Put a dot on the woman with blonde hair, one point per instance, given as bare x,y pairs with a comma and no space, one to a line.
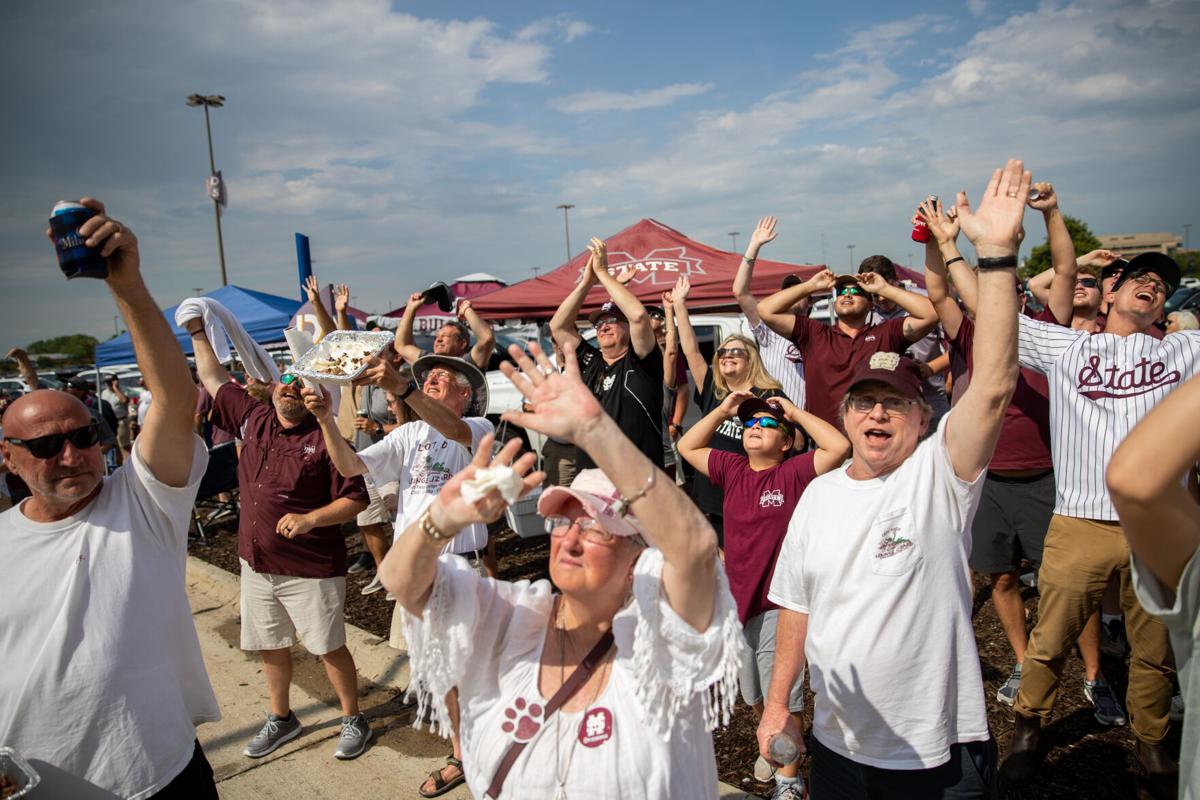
736,367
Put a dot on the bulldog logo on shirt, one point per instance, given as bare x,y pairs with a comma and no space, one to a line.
310,449
596,727
609,380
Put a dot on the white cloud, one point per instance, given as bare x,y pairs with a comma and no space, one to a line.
977,7
562,27
587,102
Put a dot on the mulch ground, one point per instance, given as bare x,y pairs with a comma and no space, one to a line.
1086,759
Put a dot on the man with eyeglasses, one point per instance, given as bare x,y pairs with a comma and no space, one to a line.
290,546
449,397
832,352
103,677
624,368
1100,386
872,578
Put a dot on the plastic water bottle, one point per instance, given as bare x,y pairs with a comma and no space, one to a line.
782,749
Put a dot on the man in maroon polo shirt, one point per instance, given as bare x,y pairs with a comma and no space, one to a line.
290,545
831,352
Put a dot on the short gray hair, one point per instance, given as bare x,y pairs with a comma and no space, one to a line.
1185,320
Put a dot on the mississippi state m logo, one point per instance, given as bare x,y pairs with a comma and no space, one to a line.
1096,380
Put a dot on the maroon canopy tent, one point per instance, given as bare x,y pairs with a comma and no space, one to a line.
660,255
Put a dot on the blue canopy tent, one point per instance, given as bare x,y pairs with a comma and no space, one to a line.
265,316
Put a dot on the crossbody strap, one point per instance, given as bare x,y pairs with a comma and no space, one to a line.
565,692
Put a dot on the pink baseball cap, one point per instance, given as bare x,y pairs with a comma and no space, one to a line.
596,493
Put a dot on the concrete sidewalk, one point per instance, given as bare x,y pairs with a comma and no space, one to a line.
395,764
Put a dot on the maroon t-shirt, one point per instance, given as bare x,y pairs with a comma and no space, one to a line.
1024,441
758,508
830,357
284,471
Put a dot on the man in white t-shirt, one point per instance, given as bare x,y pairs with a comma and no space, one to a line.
779,354
103,682
872,579
449,396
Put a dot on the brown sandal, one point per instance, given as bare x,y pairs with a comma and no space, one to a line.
440,784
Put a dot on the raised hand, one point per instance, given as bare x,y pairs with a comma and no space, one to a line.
463,307
341,297
599,259
416,300
1046,200
994,227
317,402
626,275
116,242
454,512
667,299
872,282
682,287
1098,258
729,405
823,281
558,403
381,373
943,224
18,354
312,289
764,232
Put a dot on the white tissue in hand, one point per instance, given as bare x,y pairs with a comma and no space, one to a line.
505,480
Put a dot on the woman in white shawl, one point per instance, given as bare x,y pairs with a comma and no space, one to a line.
644,603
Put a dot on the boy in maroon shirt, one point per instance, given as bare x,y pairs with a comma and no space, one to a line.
761,490
831,352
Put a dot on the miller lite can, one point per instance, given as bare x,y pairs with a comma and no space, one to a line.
920,231
75,259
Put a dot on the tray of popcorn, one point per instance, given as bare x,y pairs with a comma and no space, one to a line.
341,356
17,778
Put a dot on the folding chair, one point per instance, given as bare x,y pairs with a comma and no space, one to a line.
221,476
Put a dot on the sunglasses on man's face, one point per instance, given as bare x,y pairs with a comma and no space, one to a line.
287,378
849,290
1086,283
52,444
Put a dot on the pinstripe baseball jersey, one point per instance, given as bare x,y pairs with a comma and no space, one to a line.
1101,385
782,361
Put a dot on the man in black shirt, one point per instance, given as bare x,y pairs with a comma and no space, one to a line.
624,368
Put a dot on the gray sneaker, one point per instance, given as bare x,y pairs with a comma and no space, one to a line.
374,586
355,736
275,732
1100,695
1007,693
788,791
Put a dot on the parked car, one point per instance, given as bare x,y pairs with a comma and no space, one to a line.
1185,298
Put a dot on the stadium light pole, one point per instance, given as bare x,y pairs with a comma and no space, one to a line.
216,101
733,236
567,225
850,247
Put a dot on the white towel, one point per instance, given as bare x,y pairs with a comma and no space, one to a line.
221,327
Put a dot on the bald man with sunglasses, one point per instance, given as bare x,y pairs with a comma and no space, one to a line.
103,677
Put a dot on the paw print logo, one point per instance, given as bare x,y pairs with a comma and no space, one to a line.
522,721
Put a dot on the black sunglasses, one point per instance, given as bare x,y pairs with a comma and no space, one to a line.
52,444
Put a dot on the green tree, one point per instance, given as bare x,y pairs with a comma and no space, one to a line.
1085,242
78,346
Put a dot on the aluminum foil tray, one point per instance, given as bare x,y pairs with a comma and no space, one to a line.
354,343
16,768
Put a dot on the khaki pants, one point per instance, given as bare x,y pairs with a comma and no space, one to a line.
1079,557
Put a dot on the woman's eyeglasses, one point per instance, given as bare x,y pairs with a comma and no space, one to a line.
732,352
52,444
591,530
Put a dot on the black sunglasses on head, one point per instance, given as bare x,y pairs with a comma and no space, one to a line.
52,444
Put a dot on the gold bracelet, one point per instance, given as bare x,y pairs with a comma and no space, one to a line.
431,530
621,508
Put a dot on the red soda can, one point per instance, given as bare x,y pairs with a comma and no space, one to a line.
920,231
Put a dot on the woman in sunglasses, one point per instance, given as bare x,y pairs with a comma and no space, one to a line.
761,489
735,367
609,689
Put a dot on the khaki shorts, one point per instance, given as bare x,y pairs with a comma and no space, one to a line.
277,608
123,433
382,510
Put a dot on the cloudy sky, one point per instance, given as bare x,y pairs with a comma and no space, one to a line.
423,140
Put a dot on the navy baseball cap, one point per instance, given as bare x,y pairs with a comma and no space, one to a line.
1152,263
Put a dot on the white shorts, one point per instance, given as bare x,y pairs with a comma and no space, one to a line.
382,510
277,608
